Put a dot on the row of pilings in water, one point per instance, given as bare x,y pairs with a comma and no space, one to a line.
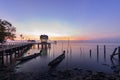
116,51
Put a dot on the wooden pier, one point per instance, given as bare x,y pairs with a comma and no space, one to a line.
16,50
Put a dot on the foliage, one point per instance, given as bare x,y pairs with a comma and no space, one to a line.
7,30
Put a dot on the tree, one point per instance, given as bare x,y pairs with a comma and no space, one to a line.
2,32
7,30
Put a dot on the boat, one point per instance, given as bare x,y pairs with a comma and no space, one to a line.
57,60
29,57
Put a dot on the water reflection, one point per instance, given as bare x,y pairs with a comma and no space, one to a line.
115,65
82,55
45,52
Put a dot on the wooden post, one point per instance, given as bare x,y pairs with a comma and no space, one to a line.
15,54
97,49
104,49
10,56
90,52
19,52
41,46
111,56
7,61
2,57
97,52
105,52
119,53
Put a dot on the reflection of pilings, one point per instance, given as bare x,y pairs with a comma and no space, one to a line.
43,46
33,47
104,52
97,52
13,52
2,58
80,50
10,58
38,46
53,51
90,52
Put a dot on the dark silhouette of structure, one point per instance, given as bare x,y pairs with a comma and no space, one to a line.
44,41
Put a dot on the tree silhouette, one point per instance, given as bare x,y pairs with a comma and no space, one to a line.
21,36
6,30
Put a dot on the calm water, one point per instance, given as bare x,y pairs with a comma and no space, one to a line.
77,56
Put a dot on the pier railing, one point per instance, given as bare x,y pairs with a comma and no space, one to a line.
13,50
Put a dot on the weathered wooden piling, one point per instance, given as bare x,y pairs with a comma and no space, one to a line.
104,52
38,46
97,49
119,54
97,52
10,57
111,56
2,57
90,52
104,49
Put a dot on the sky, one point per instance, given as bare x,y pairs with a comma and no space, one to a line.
76,19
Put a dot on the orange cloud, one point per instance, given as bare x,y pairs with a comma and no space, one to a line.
81,38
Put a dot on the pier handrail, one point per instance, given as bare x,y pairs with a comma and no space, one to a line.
11,45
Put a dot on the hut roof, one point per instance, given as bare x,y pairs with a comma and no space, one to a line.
43,37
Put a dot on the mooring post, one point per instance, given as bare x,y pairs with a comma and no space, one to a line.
15,54
10,53
2,55
97,49
7,56
97,52
10,58
105,52
42,46
104,49
19,52
119,53
90,52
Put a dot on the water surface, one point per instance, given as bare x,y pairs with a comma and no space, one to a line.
77,56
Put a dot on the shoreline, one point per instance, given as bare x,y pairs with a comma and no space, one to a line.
71,74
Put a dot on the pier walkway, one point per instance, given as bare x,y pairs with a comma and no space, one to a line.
13,50
17,49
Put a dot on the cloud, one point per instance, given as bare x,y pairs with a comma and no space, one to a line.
51,28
